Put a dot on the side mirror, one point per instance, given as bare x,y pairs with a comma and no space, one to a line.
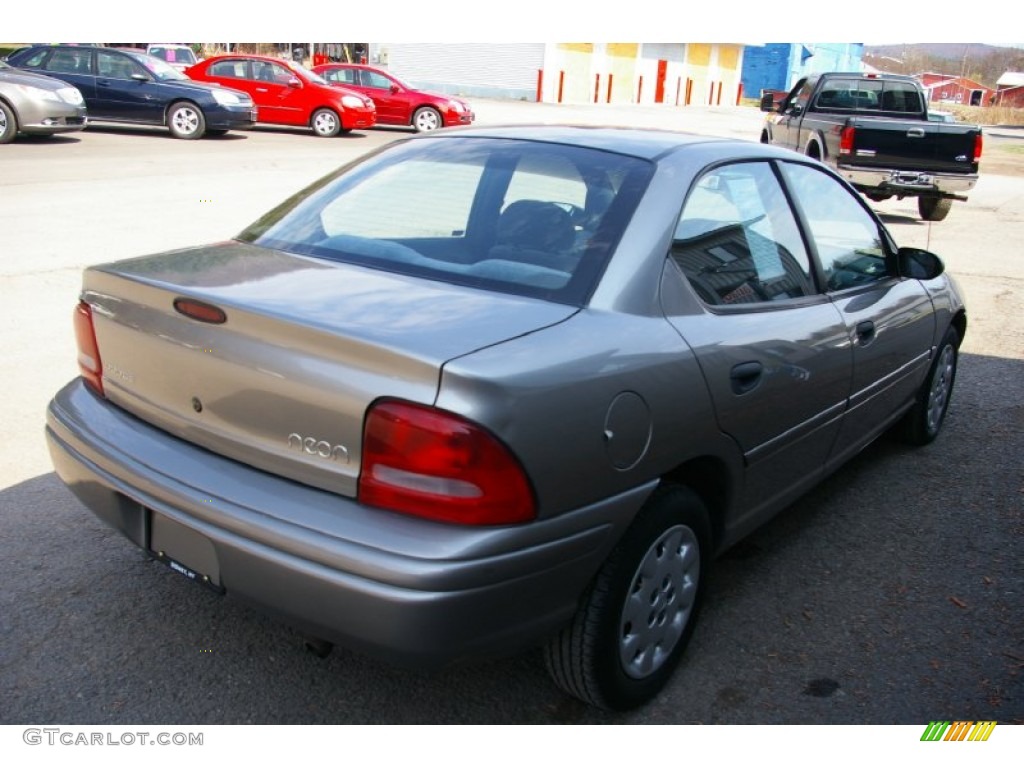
140,77
394,88
918,264
767,102
294,83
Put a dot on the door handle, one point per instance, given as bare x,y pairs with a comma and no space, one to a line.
865,332
745,377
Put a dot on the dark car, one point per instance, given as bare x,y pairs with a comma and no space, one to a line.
527,408
133,87
399,103
287,93
38,105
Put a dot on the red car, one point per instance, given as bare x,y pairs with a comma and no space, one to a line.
398,103
288,94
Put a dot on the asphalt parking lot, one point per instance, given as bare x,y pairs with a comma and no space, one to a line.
893,593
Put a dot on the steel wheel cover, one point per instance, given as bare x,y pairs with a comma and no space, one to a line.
3,122
324,122
942,384
659,602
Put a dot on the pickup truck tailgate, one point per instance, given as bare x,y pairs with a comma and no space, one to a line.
913,145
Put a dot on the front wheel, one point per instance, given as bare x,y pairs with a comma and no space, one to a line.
426,119
326,123
934,208
186,121
922,423
641,609
8,124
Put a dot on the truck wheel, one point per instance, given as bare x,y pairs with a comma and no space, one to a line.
934,208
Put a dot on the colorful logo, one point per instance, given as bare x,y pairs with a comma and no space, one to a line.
962,730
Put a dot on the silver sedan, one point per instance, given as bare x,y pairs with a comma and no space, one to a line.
36,104
492,388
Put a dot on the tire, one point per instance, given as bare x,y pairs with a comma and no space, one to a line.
325,123
923,422
185,121
639,612
426,119
934,208
8,124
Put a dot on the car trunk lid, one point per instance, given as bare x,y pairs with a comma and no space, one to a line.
305,346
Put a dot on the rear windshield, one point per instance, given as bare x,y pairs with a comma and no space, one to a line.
522,217
870,94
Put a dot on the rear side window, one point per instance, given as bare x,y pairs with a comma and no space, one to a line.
737,240
520,217
70,61
230,68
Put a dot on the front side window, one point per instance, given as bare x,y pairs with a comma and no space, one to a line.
737,240
375,80
846,236
515,216
343,76
114,65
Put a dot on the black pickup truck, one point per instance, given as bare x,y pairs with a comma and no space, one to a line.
874,130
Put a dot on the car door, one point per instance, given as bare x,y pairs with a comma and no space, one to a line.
773,349
125,91
278,92
394,105
236,73
72,65
889,320
786,128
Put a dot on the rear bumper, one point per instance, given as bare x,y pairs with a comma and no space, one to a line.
910,183
410,591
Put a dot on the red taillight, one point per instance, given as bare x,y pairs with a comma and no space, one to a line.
846,140
977,147
88,351
433,464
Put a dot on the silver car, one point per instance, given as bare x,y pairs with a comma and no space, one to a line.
36,104
491,388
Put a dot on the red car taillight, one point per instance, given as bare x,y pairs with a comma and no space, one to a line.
88,351
846,140
430,463
977,147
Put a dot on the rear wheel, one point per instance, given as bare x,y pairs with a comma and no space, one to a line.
186,121
8,124
641,609
326,123
426,119
934,208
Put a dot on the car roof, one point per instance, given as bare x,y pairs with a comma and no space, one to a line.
254,56
646,143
